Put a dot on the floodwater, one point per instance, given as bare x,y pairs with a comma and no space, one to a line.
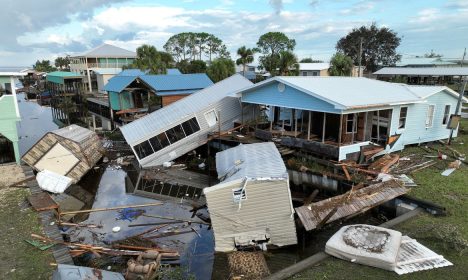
35,122
196,251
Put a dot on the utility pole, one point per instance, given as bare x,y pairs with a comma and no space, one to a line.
360,57
460,97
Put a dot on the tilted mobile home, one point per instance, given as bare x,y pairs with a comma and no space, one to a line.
252,204
346,117
182,126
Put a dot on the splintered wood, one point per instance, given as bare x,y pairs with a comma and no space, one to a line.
384,163
349,204
42,202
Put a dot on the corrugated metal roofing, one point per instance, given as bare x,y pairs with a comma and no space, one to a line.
132,72
424,71
74,132
423,61
353,92
176,92
118,83
173,71
142,128
106,50
64,74
315,66
413,256
177,82
259,160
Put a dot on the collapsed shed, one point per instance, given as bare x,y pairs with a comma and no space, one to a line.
252,204
182,126
70,151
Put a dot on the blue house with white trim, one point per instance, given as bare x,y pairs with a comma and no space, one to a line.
348,117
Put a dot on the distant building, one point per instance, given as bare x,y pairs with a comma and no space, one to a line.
104,56
250,72
9,117
252,203
314,69
422,75
425,62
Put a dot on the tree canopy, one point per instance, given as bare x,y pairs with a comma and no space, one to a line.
270,45
287,63
43,66
62,63
149,58
194,66
310,60
378,46
341,65
195,46
246,56
220,69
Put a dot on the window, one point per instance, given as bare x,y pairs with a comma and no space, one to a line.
315,73
430,115
175,134
163,140
350,127
211,118
304,73
446,118
155,144
402,121
191,126
143,149
239,194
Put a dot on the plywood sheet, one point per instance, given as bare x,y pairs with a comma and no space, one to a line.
58,159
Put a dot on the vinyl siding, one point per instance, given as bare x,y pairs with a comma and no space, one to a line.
415,131
120,101
289,98
266,209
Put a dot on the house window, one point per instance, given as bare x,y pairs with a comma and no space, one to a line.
446,115
191,126
402,120
211,118
315,73
143,149
175,134
304,73
350,127
239,194
430,116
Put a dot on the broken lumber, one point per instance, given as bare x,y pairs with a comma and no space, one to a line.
175,219
345,170
311,197
111,208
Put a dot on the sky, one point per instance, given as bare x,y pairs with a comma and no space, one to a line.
45,29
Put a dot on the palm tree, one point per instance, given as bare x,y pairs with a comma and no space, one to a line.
148,58
287,62
246,57
341,65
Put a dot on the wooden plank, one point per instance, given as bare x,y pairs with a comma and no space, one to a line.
42,202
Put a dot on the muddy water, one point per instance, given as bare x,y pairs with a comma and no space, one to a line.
35,121
196,252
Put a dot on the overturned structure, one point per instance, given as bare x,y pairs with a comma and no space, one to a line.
178,128
252,204
70,151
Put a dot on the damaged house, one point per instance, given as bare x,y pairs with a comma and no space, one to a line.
347,118
70,151
174,130
252,203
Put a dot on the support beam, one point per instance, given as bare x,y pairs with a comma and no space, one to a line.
353,128
272,112
340,130
309,125
365,126
323,126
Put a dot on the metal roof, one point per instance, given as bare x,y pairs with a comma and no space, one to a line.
177,82
353,92
64,74
423,71
118,83
175,112
176,92
74,132
106,71
173,71
106,50
314,66
253,161
132,72
423,61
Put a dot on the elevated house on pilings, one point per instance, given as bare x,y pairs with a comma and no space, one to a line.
9,117
350,118
67,96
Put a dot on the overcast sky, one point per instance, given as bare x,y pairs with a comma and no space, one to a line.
45,29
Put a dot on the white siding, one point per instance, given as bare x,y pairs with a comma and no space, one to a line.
266,209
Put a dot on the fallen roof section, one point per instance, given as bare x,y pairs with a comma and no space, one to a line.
351,203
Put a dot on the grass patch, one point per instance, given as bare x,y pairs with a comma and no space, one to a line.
20,260
446,235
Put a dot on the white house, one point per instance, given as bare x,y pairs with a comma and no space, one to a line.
252,204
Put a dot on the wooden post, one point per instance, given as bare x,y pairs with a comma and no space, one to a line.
242,112
273,108
295,122
378,125
353,127
323,126
308,126
365,126
340,130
